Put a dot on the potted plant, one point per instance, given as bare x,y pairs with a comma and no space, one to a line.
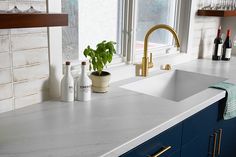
98,59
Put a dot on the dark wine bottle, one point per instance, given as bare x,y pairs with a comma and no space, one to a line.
218,43
227,47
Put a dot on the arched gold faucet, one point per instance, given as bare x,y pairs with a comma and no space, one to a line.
145,61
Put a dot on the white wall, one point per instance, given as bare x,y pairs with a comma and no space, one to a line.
55,51
230,22
24,66
207,25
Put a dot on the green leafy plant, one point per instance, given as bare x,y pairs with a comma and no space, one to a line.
100,56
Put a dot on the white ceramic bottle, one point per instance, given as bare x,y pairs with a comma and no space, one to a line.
84,85
67,85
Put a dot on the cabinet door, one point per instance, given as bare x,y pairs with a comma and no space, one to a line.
227,145
203,145
168,142
199,137
200,124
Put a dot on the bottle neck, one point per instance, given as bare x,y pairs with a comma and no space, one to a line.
83,70
68,72
228,33
218,33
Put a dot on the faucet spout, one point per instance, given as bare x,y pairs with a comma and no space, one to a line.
145,60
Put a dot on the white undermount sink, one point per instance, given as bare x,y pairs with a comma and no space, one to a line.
174,85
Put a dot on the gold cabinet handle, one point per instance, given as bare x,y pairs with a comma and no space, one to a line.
219,141
162,151
214,147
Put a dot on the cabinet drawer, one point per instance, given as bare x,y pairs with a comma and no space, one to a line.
201,123
171,137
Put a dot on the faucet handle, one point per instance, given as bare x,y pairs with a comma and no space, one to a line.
150,63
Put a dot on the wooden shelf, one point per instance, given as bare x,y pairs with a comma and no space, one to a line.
32,20
216,13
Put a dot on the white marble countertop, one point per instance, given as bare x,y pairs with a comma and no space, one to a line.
109,125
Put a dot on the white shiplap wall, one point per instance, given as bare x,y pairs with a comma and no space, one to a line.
24,65
203,27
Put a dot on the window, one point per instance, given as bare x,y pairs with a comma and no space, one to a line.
96,20
99,20
150,13
70,33
90,22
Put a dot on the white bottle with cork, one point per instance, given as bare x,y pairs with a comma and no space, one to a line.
67,85
84,85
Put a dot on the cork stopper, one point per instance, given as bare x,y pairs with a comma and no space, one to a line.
83,63
67,63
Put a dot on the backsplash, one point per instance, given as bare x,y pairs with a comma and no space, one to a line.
24,64
204,27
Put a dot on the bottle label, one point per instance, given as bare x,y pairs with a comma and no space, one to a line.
71,89
219,49
85,88
228,52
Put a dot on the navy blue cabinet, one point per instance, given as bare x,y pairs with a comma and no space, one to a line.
199,138
227,136
204,134
201,146
207,134
166,144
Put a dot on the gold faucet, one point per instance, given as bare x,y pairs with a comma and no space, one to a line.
146,64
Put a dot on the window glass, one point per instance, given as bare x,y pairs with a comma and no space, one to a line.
98,21
149,14
70,33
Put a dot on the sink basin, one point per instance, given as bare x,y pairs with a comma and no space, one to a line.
174,85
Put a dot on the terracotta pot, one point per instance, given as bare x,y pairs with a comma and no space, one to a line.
100,83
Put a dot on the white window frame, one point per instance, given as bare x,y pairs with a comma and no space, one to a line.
184,16
127,25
